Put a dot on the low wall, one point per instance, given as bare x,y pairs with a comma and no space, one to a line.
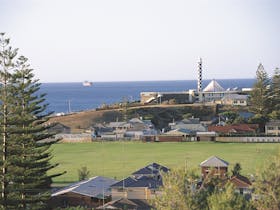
249,139
74,137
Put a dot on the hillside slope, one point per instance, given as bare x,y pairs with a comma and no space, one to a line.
160,115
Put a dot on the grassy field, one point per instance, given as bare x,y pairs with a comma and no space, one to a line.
119,159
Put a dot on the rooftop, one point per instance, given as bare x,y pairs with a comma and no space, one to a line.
214,162
142,181
213,86
153,168
93,187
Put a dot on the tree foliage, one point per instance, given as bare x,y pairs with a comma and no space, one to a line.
236,169
267,185
83,173
183,190
260,94
230,116
25,158
274,95
178,191
227,199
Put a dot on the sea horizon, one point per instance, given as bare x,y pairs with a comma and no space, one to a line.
124,81
74,97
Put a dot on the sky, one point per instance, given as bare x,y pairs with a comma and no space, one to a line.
143,40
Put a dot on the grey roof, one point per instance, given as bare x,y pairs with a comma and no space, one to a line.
142,181
214,162
235,97
93,187
153,168
148,176
118,124
180,130
192,127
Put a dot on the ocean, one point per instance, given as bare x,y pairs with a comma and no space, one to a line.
74,97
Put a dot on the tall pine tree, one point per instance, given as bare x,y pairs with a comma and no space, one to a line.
260,94
7,57
27,184
275,95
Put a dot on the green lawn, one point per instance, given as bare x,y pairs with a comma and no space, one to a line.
119,159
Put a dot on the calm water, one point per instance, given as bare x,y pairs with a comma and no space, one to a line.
60,95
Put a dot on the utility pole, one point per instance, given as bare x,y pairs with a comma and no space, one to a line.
69,106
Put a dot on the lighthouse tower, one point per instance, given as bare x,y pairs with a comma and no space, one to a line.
199,79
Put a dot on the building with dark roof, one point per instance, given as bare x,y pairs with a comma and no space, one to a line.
142,184
87,193
242,184
151,170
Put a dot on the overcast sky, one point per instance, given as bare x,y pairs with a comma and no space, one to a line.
129,40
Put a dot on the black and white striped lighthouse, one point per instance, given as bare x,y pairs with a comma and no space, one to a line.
199,79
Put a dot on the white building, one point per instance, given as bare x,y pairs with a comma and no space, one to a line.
214,93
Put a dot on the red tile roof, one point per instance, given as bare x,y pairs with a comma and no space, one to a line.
238,128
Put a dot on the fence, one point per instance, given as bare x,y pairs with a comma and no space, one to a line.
249,139
85,137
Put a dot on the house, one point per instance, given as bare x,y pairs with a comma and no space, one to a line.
133,129
214,166
235,99
235,129
87,193
214,92
180,132
163,97
151,170
100,130
206,136
142,184
191,124
119,127
272,127
176,135
143,187
139,128
242,184
58,128
129,204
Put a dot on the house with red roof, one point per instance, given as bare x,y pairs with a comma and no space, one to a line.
242,184
234,129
